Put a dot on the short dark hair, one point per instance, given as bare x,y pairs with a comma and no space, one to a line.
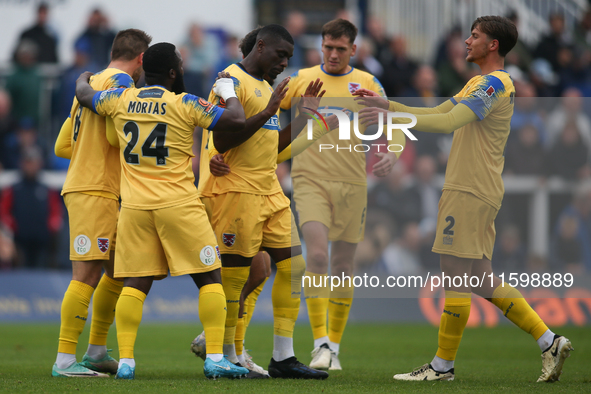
249,41
129,44
159,59
498,28
338,28
273,32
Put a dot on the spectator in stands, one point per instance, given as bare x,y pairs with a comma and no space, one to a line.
7,125
377,33
201,54
454,72
427,193
296,24
32,212
24,83
24,137
568,250
82,62
364,59
550,45
580,210
389,195
231,53
99,37
520,55
402,257
509,252
41,35
424,85
543,78
569,109
398,68
525,155
424,93
441,55
583,31
569,156
527,112
380,230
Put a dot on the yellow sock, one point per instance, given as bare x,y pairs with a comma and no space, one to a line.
103,309
129,315
515,308
212,313
233,280
316,295
338,312
73,315
250,303
286,295
239,338
453,321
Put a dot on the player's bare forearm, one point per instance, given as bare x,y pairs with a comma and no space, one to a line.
286,136
84,92
224,140
233,119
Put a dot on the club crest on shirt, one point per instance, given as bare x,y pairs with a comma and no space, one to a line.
258,92
353,86
228,239
217,249
103,244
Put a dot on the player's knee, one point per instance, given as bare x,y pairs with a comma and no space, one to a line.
318,258
88,272
298,266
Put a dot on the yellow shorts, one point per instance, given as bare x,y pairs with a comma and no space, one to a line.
179,239
465,226
243,222
93,226
339,206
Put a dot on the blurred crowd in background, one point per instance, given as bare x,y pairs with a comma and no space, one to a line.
550,138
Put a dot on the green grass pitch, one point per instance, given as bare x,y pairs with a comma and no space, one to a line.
501,359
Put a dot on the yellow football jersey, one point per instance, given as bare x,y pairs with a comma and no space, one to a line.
343,166
94,165
476,159
252,163
155,131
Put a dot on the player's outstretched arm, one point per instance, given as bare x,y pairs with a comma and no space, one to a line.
224,140
370,98
445,123
84,92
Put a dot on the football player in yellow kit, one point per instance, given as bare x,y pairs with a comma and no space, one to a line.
260,268
91,194
248,207
330,191
480,114
163,225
